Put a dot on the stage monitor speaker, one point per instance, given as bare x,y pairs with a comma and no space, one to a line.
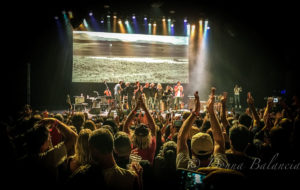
95,111
191,105
79,99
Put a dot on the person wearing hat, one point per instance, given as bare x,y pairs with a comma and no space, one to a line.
202,146
144,135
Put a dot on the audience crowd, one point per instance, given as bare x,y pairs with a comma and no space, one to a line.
145,149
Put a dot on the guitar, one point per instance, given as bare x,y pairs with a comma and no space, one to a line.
107,92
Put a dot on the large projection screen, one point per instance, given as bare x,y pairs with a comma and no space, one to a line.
101,56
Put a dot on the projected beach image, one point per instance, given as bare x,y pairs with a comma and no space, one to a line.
99,56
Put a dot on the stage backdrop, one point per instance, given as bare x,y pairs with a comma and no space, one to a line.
101,56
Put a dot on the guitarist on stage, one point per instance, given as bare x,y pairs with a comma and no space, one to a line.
107,93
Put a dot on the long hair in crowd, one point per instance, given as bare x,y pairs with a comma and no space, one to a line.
82,153
141,142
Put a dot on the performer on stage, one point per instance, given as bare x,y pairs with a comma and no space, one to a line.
117,92
237,91
167,97
146,91
178,89
158,96
138,91
107,94
152,90
128,92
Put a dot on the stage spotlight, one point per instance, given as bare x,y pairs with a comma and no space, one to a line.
85,24
102,21
149,28
135,24
56,17
145,18
115,16
154,29
188,29
172,29
108,16
169,20
70,13
91,14
164,27
185,20
126,22
122,29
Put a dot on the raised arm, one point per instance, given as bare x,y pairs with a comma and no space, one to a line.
219,141
224,120
130,118
183,133
148,116
69,135
250,102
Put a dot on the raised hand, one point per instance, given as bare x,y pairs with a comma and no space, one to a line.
141,102
250,99
224,98
197,103
211,100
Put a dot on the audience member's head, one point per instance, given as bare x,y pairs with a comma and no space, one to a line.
82,152
78,121
239,137
141,137
225,179
202,145
280,139
113,124
100,143
89,124
122,144
59,117
246,120
39,138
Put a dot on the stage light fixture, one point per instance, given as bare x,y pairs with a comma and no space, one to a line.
169,20
56,17
91,14
172,25
115,16
102,21
108,16
133,17
70,13
145,18
163,20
